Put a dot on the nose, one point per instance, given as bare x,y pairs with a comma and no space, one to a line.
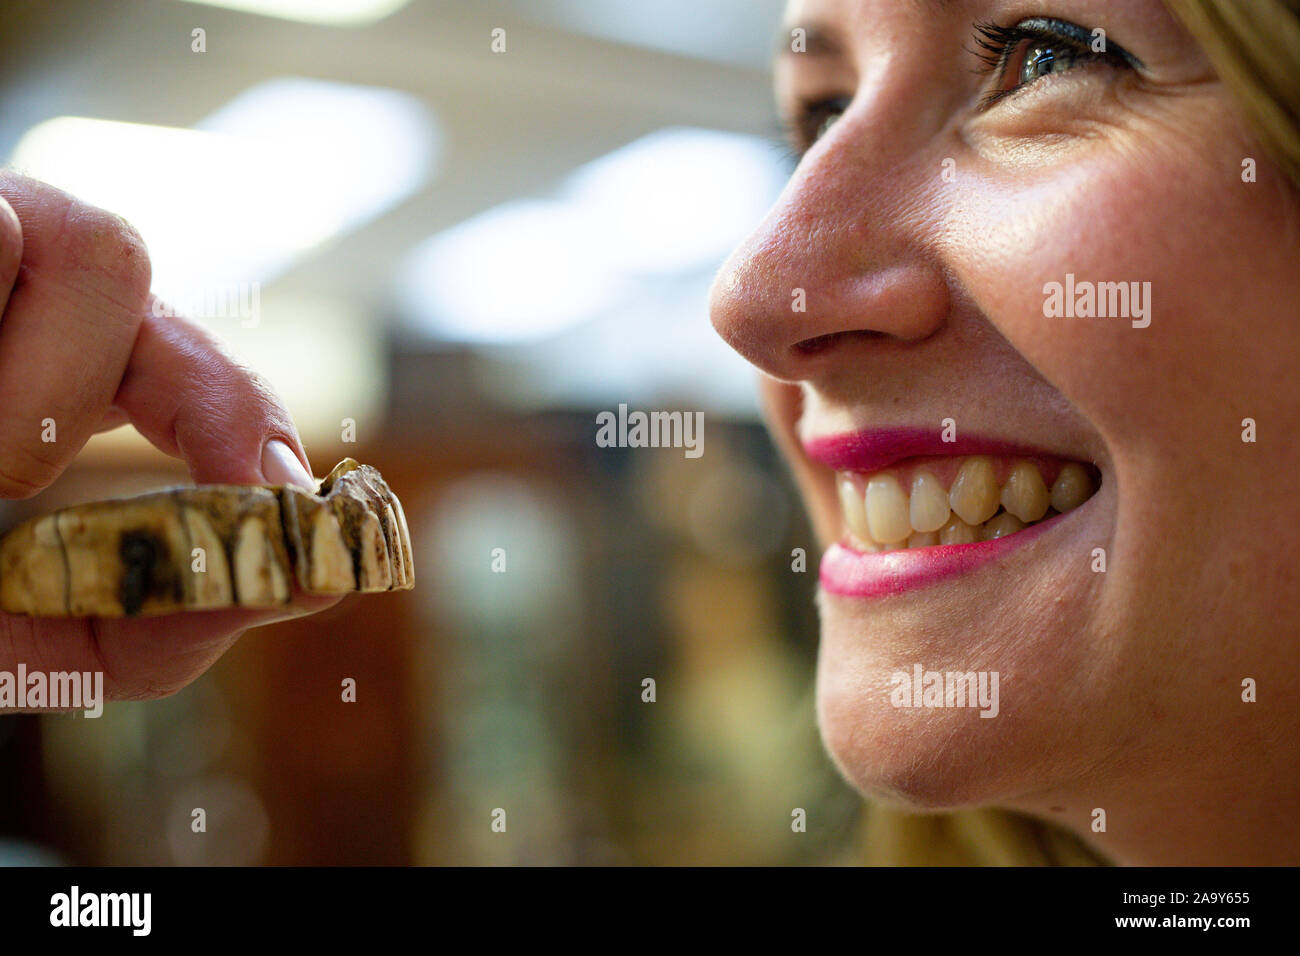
842,255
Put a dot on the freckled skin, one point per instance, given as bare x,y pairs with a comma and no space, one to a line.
1119,690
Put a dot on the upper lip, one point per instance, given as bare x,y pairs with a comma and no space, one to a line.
876,449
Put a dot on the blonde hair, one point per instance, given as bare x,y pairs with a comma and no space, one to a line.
1255,48
983,837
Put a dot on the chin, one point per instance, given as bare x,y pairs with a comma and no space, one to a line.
896,740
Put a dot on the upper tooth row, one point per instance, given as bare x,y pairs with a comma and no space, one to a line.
887,513
138,555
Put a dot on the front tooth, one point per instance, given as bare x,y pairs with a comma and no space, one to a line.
396,558
125,558
375,572
855,509
259,579
404,536
929,503
1001,526
1073,486
1024,495
210,587
957,531
887,512
34,570
330,565
923,539
974,494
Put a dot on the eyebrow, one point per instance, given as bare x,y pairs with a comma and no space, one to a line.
819,40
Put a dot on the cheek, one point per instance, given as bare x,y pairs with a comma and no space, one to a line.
1157,210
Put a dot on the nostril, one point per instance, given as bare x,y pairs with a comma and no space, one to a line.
821,343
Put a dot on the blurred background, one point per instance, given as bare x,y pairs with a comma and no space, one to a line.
451,232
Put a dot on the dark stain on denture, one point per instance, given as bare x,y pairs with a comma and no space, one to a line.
146,570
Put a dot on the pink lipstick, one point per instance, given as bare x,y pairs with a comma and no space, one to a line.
971,501
877,449
851,573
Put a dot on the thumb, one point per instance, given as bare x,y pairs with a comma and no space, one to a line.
189,396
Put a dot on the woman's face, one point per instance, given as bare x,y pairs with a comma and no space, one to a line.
899,294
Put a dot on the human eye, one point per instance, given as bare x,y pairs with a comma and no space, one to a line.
812,119
1020,55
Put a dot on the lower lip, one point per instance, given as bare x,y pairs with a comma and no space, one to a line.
859,574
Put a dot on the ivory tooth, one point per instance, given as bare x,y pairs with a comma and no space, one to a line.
396,559
297,512
923,539
404,534
365,496
322,560
374,573
380,500
887,512
1000,526
1024,495
34,570
330,563
210,587
1073,486
344,467
928,508
853,503
974,493
260,581
957,531
124,558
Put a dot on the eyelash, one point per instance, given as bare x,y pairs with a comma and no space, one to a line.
997,46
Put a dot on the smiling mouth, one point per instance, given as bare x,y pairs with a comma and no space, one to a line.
924,502
917,509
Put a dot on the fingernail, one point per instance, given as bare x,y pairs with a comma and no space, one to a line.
280,466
